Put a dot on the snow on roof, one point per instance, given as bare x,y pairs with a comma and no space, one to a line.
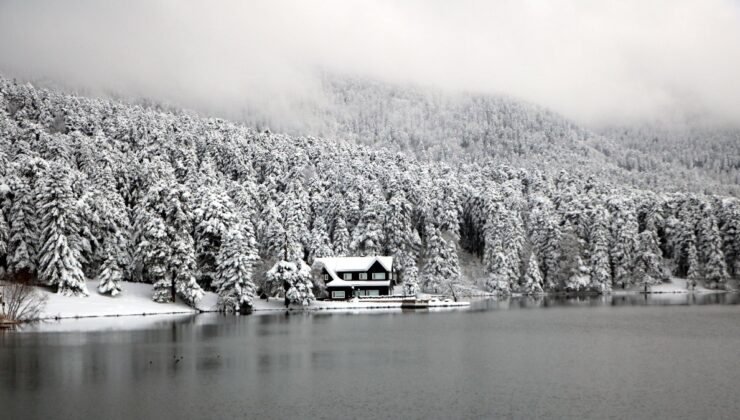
336,265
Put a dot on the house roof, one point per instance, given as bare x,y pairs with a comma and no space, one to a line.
334,265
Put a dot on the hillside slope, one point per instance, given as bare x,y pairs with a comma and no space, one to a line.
451,127
96,189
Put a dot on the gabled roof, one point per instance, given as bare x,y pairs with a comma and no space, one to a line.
334,265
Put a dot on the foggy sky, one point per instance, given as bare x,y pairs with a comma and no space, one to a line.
598,62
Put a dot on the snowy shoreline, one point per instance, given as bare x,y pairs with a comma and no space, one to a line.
135,300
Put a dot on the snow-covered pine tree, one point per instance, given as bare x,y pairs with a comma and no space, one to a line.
271,235
213,216
341,238
692,261
402,240
4,236
182,266
624,230
319,245
684,239
166,250
152,252
573,274
599,247
441,265
545,237
410,274
730,230
709,246
236,260
504,242
647,271
59,263
24,231
368,236
295,280
111,274
532,281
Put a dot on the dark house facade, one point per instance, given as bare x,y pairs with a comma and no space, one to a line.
348,277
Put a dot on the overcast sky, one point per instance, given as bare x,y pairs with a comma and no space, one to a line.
594,61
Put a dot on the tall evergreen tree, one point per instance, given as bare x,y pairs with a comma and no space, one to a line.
440,263
624,229
213,216
295,280
60,260
599,250
236,260
110,276
341,238
24,228
532,281
709,243
647,260
368,237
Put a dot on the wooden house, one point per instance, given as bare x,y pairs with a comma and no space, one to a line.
347,277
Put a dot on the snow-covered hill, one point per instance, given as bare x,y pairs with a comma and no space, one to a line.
455,127
97,189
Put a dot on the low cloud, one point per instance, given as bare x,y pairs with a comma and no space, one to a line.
595,62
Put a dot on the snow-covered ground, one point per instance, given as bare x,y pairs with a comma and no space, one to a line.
136,299
675,285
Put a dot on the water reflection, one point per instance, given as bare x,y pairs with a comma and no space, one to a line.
655,299
501,358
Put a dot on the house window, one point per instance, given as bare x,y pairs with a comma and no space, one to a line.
363,276
378,276
347,276
373,292
326,277
337,294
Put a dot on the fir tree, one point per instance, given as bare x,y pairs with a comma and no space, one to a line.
213,217
647,261
341,238
319,244
532,281
60,260
24,231
110,276
440,262
572,274
709,241
624,229
295,279
368,237
236,260
599,247
730,230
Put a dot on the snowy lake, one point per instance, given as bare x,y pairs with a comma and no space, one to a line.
620,357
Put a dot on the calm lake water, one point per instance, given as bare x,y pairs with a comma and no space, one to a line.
622,357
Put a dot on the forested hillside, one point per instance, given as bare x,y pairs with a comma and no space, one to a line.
450,127
103,190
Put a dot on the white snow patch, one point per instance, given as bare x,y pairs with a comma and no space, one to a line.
135,299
